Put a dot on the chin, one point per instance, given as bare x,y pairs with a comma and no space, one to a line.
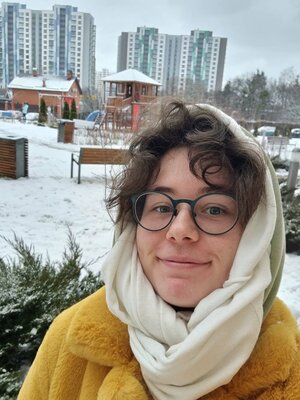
181,301
180,296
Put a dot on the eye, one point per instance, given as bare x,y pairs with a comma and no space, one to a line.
163,209
215,210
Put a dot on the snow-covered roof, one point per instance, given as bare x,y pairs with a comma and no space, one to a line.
55,84
131,75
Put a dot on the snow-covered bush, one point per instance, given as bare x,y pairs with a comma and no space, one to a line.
278,163
291,210
32,292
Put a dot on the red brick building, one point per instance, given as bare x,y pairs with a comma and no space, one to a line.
54,90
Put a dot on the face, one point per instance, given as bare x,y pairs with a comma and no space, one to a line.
182,263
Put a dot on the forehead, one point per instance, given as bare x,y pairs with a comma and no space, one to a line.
174,169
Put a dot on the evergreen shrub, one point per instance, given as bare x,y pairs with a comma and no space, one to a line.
32,292
291,211
66,111
73,112
42,112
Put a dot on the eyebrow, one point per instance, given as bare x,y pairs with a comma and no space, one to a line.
204,190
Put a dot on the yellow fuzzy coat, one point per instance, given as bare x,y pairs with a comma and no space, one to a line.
86,356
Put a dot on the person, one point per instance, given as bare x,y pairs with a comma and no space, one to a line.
189,308
25,109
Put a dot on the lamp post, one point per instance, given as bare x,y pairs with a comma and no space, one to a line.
293,172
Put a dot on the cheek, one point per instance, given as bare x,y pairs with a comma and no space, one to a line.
147,244
143,243
140,239
232,244
144,249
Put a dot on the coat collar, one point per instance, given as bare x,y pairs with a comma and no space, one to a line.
96,335
273,357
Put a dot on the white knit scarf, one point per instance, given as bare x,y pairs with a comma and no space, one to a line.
187,357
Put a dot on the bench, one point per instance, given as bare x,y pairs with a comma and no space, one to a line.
97,155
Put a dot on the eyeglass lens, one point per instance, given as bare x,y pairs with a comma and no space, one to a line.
213,213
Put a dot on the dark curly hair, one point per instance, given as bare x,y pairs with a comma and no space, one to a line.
211,147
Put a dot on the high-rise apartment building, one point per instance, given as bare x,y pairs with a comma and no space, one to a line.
176,61
51,41
100,87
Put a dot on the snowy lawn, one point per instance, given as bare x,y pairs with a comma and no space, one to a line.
42,207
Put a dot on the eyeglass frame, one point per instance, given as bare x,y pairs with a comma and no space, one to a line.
175,202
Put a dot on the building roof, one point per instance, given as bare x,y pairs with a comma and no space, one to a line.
55,84
130,75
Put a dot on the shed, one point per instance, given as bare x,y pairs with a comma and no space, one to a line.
54,90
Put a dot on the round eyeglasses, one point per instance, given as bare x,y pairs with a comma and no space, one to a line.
213,213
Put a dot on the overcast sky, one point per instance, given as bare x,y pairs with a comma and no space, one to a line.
262,34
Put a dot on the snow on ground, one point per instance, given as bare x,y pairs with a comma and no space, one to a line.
40,208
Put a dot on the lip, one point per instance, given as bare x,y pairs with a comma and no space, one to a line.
183,262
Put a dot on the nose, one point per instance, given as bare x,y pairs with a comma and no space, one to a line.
183,227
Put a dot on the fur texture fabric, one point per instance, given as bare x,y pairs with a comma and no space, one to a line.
86,356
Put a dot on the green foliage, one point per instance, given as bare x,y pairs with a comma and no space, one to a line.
42,112
291,211
254,97
249,95
32,292
66,111
73,113
278,163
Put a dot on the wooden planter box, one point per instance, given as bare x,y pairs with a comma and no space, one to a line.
13,156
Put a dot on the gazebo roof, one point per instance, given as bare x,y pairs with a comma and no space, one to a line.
131,75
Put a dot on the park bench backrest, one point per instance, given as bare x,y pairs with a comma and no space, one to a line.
89,155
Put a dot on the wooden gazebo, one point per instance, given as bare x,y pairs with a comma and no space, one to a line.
129,91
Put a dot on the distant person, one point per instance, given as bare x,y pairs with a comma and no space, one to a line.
189,308
25,109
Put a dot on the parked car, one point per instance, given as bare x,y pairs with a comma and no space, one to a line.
10,114
90,121
266,130
32,116
295,133
94,115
